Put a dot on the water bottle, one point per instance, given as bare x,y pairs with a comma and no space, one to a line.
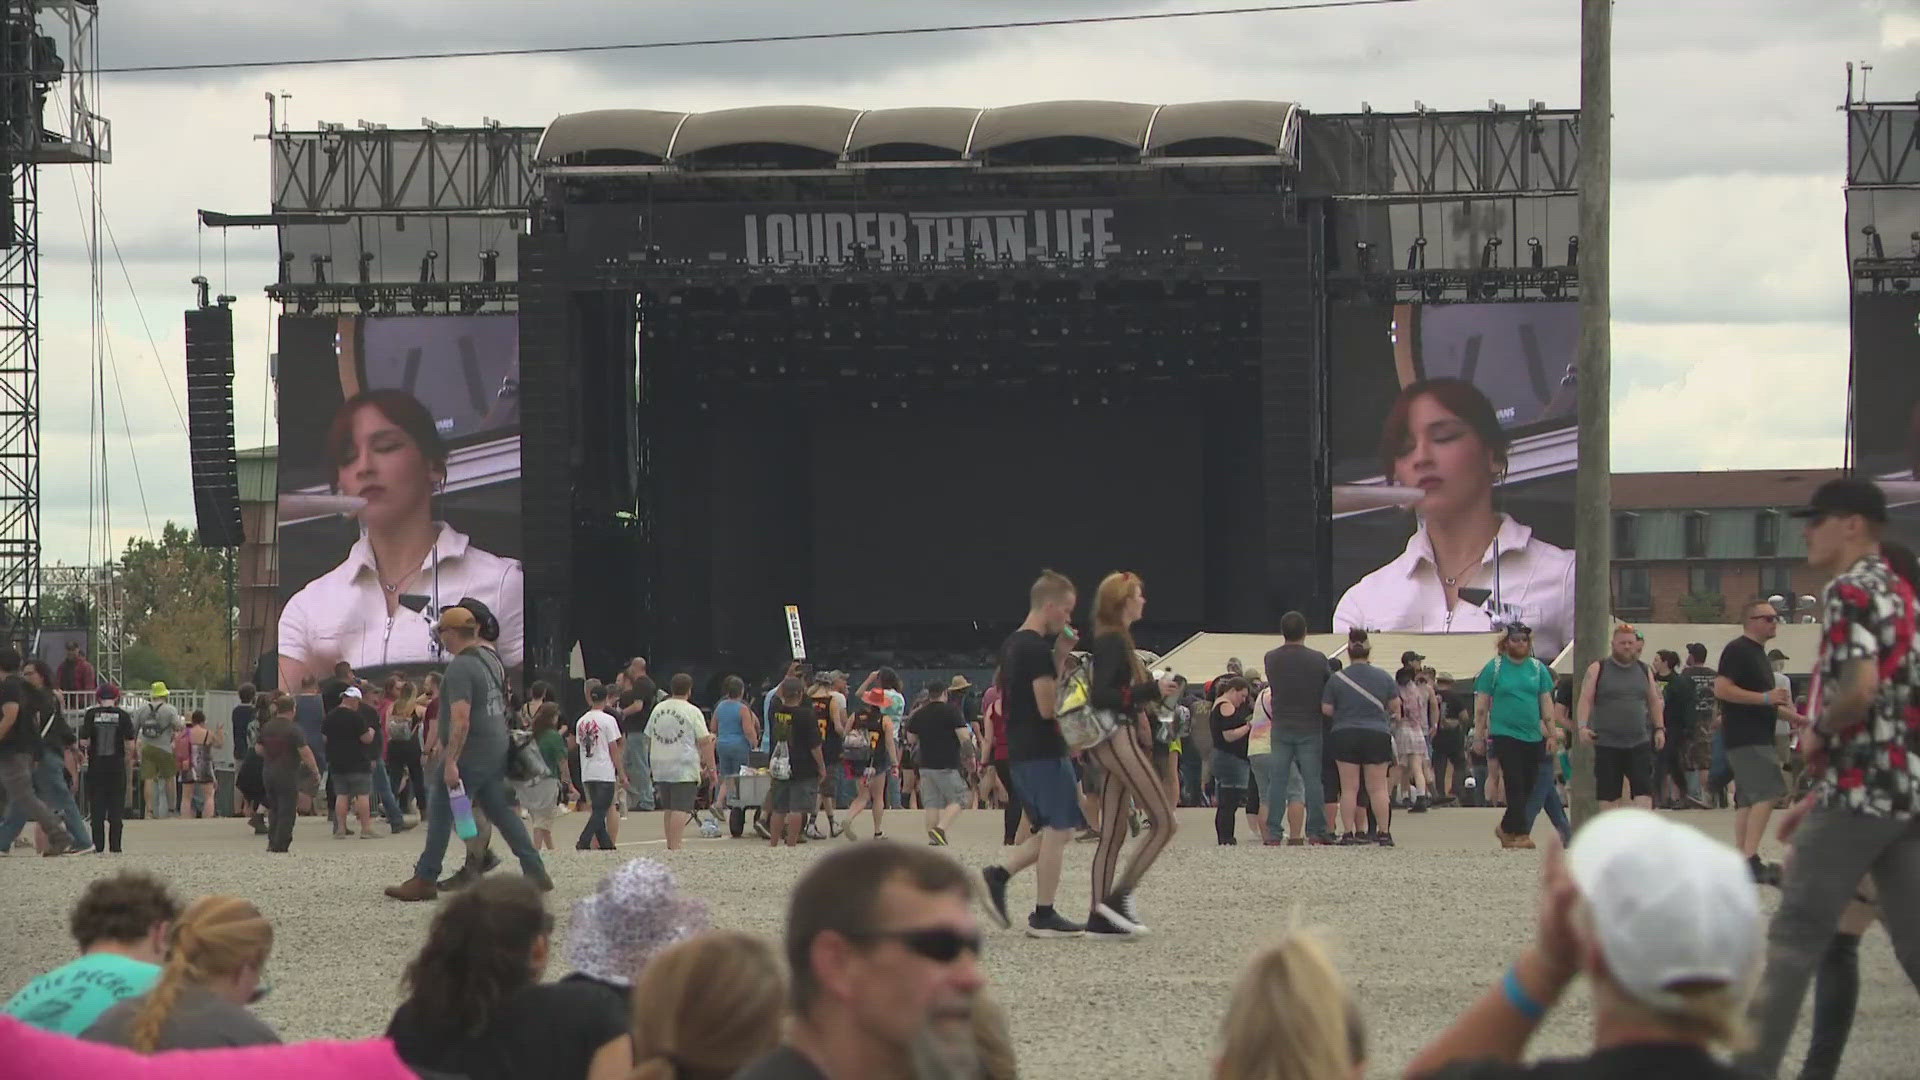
463,822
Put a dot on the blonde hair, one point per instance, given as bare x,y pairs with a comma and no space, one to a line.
213,939
1109,607
706,1006
1050,587
1291,1018
1713,1013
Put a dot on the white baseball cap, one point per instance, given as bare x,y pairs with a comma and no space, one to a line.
1670,905
351,691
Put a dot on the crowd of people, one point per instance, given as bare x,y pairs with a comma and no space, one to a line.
881,975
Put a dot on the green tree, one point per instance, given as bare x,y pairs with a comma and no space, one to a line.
1704,607
177,617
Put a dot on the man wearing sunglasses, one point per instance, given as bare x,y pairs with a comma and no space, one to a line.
1749,705
885,956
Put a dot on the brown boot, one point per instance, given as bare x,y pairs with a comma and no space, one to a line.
413,890
1524,843
1501,835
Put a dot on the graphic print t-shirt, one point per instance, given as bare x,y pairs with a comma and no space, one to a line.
106,729
675,730
595,732
68,999
798,728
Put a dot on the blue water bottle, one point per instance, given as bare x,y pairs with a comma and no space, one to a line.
463,822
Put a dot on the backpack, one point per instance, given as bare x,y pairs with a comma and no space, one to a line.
1081,725
525,762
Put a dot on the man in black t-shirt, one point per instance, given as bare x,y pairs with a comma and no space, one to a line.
107,735
1043,780
349,767
937,728
19,752
797,737
1749,705
1706,719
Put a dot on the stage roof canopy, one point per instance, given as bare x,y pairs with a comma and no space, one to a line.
1198,129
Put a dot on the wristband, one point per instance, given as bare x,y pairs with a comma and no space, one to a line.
1517,997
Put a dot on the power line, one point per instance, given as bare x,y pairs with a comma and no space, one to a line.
763,39
142,312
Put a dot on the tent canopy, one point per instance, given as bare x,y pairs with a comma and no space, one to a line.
1265,127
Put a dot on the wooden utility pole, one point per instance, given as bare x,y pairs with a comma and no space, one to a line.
1593,499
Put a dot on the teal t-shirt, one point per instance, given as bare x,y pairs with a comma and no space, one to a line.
67,1000
1515,688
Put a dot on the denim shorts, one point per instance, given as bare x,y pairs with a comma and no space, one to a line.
731,758
1047,790
1230,770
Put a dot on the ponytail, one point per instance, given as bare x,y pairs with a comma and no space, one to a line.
157,1007
214,938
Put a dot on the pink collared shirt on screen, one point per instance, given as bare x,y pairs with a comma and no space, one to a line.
342,614
1535,582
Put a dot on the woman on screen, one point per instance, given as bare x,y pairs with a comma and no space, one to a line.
378,606
1467,567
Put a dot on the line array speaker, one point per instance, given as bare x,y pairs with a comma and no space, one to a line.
216,476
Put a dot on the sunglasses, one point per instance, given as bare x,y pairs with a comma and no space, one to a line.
938,944
1765,618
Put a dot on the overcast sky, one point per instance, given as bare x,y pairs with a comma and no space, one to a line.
1729,276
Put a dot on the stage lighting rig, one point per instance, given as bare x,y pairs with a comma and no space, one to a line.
1875,249
1490,253
320,268
286,267
426,265
1363,251
1537,256
1573,252
490,265
366,267
1417,254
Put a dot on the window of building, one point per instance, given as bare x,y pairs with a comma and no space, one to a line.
1703,580
1626,534
1766,533
1695,537
1777,580
1632,589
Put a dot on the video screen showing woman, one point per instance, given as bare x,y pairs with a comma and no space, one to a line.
1467,567
402,525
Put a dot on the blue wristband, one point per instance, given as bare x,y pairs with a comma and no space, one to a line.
1518,997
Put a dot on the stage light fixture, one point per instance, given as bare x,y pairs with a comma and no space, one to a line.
1490,253
366,267
366,300
426,266
286,268
1875,249
1573,251
1536,254
320,268
1417,254
490,265
1901,284
471,302
309,303
1364,252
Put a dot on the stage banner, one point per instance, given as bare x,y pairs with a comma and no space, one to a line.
399,488
1453,448
1885,429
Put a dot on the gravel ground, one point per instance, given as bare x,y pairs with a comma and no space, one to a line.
1419,930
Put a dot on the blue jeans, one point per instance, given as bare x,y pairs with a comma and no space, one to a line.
1301,752
1720,774
639,773
383,793
1546,795
50,783
489,793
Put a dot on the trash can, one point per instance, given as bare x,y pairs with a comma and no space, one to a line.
224,800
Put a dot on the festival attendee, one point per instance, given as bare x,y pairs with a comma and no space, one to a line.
1172,723
541,797
406,719
159,722
76,674
475,1004
1259,746
884,957
121,925
603,766
1467,566
310,714
349,741
1292,1017
55,770
1749,704
939,730
380,785
107,735
201,742
1512,709
1231,722
19,756
681,755
1450,771
1861,748
1676,710
1410,751
385,448
1296,677
216,966
1363,703
284,751
830,715
870,749
1665,926
993,724
636,911
902,782
1706,727
634,703
471,755
797,734
707,1007
736,733
241,722
1043,781
1622,717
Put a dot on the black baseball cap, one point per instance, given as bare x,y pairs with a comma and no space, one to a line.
1410,656
1519,629
1776,654
1847,495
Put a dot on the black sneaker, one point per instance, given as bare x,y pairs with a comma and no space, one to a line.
993,881
1053,925
1118,912
1354,840
1764,873
1383,839
1421,805
1101,928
